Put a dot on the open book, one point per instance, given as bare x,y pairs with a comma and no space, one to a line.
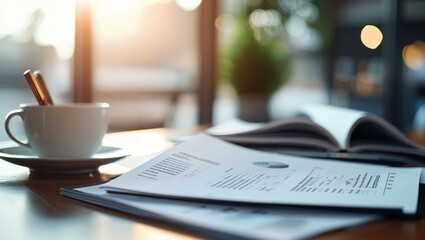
205,168
329,132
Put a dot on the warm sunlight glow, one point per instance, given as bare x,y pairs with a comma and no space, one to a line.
413,56
56,28
46,23
189,5
113,169
118,20
12,19
153,2
153,143
111,8
371,36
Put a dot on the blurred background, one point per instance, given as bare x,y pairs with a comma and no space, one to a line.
179,63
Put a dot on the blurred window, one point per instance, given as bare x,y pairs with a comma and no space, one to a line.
35,34
145,61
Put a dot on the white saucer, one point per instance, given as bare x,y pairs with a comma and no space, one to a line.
25,157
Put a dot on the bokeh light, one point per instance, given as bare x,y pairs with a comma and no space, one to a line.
371,36
225,20
153,2
414,55
264,18
189,5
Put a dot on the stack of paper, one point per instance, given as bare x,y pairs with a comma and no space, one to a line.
220,189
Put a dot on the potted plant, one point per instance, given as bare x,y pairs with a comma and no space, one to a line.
256,65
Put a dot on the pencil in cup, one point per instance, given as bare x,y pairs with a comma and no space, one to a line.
32,82
43,87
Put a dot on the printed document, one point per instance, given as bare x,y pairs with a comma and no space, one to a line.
207,168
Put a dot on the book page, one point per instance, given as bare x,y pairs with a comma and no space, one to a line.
338,121
287,134
207,168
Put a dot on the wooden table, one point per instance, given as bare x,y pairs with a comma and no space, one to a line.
32,208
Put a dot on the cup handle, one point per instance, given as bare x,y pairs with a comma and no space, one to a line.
9,116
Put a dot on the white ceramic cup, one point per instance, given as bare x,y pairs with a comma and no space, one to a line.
73,130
